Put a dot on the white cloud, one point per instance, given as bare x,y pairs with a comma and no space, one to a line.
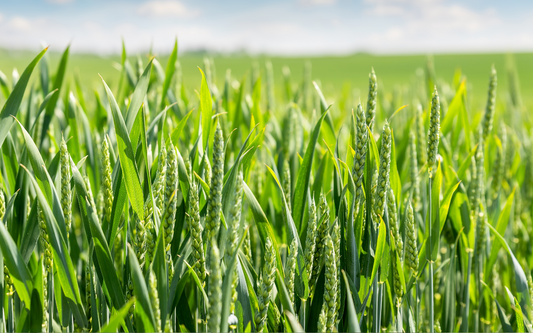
278,28
20,23
167,8
318,2
431,16
436,26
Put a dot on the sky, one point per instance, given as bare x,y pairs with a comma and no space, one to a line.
287,27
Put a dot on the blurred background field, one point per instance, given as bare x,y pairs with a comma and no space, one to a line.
337,75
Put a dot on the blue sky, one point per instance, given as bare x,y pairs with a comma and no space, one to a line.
279,27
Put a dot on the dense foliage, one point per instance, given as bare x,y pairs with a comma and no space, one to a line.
144,207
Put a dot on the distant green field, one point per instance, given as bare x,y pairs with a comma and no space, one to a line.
334,72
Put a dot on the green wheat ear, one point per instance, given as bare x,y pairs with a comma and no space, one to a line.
398,288
372,98
139,239
290,270
420,134
170,195
415,177
46,314
322,233
499,163
151,238
330,286
437,326
66,192
171,200
491,103
207,170
233,237
247,246
45,240
154,299
276,319
87,295
90,196
298,131
479,199
473,188
106,181
265,285
433,134
322,319
360,149
380,196
411,249
161,179
310,240
193,220
393,220
9,286
373,189
214,203
159,197
47,266
214,290
188,166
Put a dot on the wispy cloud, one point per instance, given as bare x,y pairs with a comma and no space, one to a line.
167,8
433,15
436,25
20,23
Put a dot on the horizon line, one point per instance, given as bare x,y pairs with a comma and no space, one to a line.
260,54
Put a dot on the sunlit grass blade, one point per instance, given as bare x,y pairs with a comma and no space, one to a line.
263,226
302,273
206,109
353,320
143,309
19,271
226,286
126,155
117,320
15,98
520,276
58,83
169,72
304,174
62,261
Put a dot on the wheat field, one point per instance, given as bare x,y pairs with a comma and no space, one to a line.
252,202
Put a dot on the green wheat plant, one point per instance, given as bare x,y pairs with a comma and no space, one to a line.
160,200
